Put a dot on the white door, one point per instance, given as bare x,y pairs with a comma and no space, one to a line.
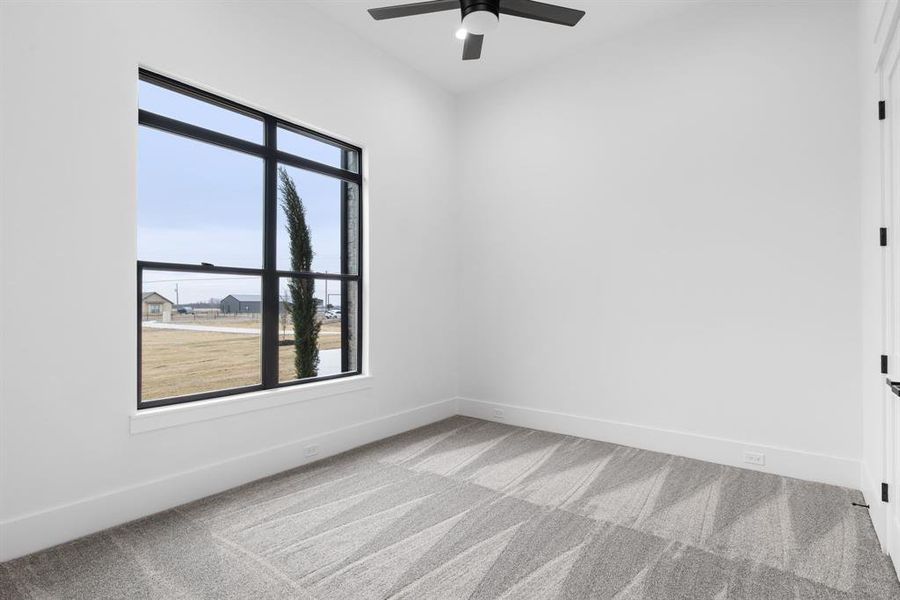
890,129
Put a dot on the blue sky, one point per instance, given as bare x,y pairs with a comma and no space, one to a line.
202,203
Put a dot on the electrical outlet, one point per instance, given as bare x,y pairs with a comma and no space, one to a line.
755,458
311,450
498,413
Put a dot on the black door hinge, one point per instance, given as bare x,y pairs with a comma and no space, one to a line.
882,236
884,364
884,492
882,110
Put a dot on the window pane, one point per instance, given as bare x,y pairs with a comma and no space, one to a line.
307,304
167,103
200,332
316,149
321,198
198,202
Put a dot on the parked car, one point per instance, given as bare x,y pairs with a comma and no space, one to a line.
185,310
332,314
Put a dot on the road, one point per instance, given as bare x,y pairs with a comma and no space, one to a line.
213,328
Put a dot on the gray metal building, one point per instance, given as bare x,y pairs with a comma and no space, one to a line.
241,303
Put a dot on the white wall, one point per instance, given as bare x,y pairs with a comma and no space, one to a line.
663,233
68,462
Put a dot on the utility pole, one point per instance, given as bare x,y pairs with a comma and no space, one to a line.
176,295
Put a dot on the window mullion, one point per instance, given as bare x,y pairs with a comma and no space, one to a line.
317,167
345,259
195,268
195,132
270,271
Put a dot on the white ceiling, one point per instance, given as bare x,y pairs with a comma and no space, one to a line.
427,42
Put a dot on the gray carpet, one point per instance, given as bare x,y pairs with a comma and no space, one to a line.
472,509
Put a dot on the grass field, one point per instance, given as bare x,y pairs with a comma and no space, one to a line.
177,362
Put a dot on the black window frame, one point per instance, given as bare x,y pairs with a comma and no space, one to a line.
269,274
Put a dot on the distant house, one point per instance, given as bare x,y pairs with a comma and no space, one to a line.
241,303
156,306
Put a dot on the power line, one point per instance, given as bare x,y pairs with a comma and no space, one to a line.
201,280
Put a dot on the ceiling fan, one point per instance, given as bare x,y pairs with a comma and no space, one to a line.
482,16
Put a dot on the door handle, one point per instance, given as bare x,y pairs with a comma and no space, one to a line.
894,385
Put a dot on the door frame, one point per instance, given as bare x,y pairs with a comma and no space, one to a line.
887,70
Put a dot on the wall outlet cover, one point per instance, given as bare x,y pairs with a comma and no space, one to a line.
755,458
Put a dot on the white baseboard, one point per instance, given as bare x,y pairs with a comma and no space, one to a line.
781,461
35,531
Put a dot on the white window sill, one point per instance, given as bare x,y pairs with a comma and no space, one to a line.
150,419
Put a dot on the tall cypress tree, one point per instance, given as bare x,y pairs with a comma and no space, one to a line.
303,302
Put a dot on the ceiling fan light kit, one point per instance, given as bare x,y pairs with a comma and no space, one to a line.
480,17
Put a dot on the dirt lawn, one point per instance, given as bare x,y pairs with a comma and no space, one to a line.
177,362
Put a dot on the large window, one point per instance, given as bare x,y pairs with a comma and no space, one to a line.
249,249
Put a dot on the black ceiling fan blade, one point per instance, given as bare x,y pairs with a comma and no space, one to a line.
411,10
539,11
472,47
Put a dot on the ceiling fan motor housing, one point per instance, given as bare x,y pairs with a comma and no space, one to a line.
470,6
